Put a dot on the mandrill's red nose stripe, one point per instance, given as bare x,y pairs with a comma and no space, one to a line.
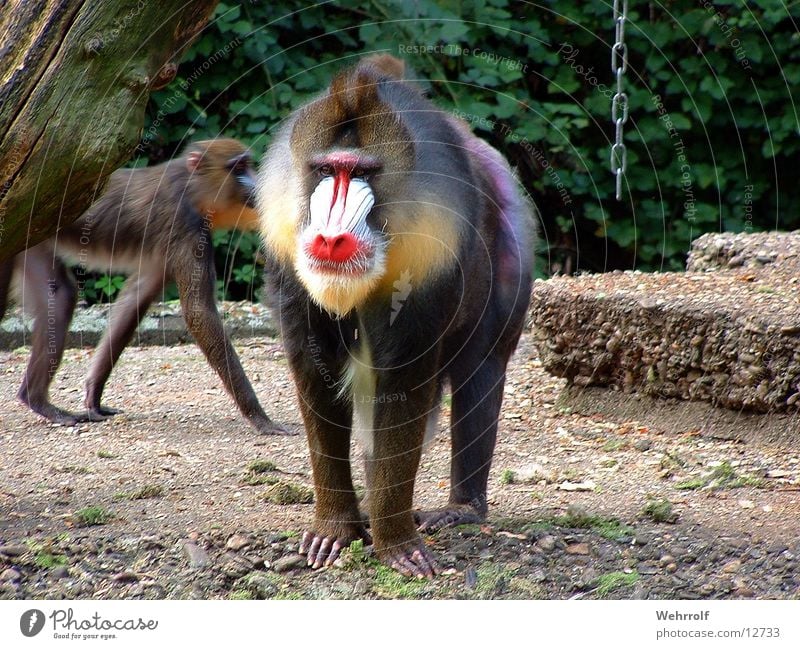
341,184
339,248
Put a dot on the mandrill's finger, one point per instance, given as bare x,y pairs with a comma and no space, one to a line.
312,551
307,538
424,564
335,551
403,566
324,550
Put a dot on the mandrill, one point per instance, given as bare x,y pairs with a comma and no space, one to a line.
399,259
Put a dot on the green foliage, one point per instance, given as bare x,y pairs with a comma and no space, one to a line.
93,515
712,135
611,581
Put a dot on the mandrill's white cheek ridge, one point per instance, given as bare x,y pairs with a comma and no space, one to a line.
321,203
360,201
334,210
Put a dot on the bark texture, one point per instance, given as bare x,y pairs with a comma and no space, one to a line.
75,77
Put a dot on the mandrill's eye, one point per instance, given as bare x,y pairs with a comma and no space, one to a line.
326,170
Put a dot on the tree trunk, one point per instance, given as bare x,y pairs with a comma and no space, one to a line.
75,76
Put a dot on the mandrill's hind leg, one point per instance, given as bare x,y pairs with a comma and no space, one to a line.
477,396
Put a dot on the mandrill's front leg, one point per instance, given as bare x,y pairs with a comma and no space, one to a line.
327,419
391,468
337,520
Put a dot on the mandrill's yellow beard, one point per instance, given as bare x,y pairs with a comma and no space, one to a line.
340,294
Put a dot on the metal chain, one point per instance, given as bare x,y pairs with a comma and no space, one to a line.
619,102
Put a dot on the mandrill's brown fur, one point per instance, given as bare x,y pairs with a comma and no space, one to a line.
154,223
441,284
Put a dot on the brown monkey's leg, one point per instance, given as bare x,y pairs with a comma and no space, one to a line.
50,294
196,287
477,397
6,272
123,319
391,469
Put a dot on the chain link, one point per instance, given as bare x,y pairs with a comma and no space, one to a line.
619,102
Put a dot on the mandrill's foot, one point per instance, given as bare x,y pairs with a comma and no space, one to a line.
410,559
452,515
265,426
323,547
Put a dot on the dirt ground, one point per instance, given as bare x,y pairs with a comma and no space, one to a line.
579,506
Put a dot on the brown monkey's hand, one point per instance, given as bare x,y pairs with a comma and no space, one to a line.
437,519
410,559
266,426
324,545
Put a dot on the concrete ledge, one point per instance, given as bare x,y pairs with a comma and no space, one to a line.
679,416
163,325
729,338
724,251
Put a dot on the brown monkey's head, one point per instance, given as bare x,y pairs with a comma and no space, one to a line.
222,182
351,155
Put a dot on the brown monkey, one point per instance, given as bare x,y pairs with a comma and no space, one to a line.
399,258
154,223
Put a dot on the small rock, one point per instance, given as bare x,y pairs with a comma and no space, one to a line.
289,562
125,577
237,542
671,567
587,578
59,572
470,577
10,575
578,548
152,542
588,485
361,588
538,576
196,555
546,543
13,550
777,547
707,589
666,559
742,589
262,584
732,566
643,444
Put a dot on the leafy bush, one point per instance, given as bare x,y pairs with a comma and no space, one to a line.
712,137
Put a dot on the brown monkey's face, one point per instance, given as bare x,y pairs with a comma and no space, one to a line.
223,183
241,169
340,256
